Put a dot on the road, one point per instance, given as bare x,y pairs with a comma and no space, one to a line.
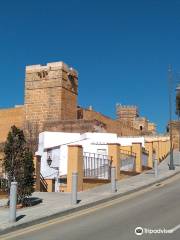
155,208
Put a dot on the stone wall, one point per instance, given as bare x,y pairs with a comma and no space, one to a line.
141,123
130,114
91,121
79,126
120,127
51,104
125,112
50,93
152,127
9,117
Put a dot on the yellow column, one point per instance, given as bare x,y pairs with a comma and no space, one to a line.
156,148
37,166
149,148
137,149
163,149
75,164
114,152
168,146
51,185
160,150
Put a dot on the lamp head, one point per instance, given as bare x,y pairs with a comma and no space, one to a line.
49,161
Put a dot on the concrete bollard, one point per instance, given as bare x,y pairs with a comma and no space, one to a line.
156,168
113,180
13,202
74,188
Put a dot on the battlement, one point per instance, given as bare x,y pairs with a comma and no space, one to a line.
126,112
118,105
51,66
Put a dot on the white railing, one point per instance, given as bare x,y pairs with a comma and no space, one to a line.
127,160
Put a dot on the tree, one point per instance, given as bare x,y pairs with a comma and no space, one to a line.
18,163
31,132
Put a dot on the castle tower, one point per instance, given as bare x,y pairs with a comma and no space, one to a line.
127,113
50,93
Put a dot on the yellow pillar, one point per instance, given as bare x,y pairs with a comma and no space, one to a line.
114,152
160,150
37,166
50,185
137,149
163,149
156,148
168,146
75,164
149,148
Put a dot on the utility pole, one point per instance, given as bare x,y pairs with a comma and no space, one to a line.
170,80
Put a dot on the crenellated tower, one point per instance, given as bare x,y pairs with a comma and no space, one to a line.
50,93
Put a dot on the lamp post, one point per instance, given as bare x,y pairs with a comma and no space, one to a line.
49,162
170,79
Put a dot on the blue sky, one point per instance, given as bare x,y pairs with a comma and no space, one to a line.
121,49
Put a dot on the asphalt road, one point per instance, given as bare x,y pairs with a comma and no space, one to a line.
157,208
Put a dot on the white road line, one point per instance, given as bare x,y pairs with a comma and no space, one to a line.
175,228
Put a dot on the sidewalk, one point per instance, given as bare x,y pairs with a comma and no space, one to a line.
58,204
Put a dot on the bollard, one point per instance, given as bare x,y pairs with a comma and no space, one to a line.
113,180
13,201
74,188
156,168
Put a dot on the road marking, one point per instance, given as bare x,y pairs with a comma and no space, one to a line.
175,228
83,212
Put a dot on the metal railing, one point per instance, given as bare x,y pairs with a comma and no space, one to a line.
144,159
127,160
43,183
97,166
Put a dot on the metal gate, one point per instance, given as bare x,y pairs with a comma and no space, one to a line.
97,165
145,155
127,160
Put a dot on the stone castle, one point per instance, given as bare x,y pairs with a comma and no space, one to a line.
51,103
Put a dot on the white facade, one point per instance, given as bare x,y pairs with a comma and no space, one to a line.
56,144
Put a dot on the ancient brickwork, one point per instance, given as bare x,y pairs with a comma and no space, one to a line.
79,126
130,114
125,112
152,127
50,93
120,127
51,104
140,123
9,117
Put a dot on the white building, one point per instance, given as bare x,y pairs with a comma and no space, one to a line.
55,144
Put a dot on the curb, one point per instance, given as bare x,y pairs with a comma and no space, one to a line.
83,207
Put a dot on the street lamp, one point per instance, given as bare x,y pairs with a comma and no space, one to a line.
170,78
49,162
